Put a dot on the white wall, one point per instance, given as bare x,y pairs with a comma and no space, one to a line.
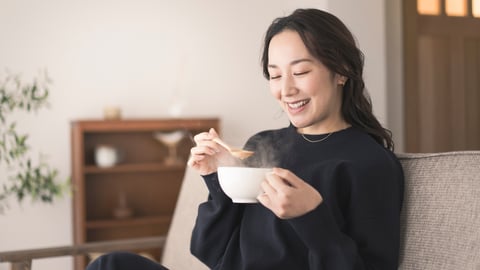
367,23
377,26
139,55
395,84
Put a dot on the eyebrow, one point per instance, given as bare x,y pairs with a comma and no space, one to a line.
294,62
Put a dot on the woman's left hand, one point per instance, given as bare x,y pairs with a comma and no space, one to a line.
288,196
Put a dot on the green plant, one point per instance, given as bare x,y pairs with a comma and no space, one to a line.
25,177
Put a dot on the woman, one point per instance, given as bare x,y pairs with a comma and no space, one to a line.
334,198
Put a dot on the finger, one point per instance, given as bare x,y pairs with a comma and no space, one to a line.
277,182
268,188
264,199
192,163
205,139
197,157
194,160
203,150
212,132
203,136
289,178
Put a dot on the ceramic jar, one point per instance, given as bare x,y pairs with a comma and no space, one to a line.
106,156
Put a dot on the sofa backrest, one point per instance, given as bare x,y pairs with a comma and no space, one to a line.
440,222
176,252
440,216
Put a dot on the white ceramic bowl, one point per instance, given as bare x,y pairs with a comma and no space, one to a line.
242,184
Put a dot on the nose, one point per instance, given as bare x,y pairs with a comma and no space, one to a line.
288,86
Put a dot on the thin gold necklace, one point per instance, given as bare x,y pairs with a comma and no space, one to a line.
316,141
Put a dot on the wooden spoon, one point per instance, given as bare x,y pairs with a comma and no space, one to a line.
238,153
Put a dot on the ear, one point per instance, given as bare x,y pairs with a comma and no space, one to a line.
341,80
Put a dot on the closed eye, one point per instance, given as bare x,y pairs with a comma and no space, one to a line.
275,77
301,73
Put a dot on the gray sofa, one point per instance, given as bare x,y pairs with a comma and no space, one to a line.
440,217
441,211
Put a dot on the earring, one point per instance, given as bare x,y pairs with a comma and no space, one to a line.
343,81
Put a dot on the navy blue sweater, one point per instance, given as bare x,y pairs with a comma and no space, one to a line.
355,227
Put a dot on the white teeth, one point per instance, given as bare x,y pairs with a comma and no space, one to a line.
297,105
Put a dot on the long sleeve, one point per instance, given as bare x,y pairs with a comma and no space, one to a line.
217,219
357,225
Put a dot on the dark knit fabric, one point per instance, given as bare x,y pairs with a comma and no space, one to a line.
355,227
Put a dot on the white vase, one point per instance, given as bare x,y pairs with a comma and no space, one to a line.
106,156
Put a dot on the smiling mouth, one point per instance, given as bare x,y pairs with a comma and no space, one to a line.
298,104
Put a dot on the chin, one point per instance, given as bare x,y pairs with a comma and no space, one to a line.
299,124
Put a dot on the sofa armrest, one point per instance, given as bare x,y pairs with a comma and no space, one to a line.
22,259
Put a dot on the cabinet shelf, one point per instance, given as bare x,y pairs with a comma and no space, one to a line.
132,168
134,221
142,181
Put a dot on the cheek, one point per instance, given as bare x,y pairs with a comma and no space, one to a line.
319,87
275,91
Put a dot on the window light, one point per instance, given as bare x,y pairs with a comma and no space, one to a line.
428,7
456,8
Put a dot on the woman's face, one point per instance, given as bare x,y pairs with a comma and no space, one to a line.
307,91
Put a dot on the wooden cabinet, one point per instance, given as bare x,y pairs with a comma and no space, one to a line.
136,196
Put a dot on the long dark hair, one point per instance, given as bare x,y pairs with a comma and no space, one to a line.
330,41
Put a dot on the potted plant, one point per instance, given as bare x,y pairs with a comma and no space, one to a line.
24,177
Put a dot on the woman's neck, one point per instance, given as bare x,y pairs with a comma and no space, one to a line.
324,128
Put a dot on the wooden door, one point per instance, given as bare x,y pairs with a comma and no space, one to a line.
442,75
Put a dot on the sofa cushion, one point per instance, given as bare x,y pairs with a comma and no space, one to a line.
441,211
176,254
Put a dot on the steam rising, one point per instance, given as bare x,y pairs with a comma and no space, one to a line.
266,154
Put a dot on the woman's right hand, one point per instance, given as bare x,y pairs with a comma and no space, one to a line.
207,155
